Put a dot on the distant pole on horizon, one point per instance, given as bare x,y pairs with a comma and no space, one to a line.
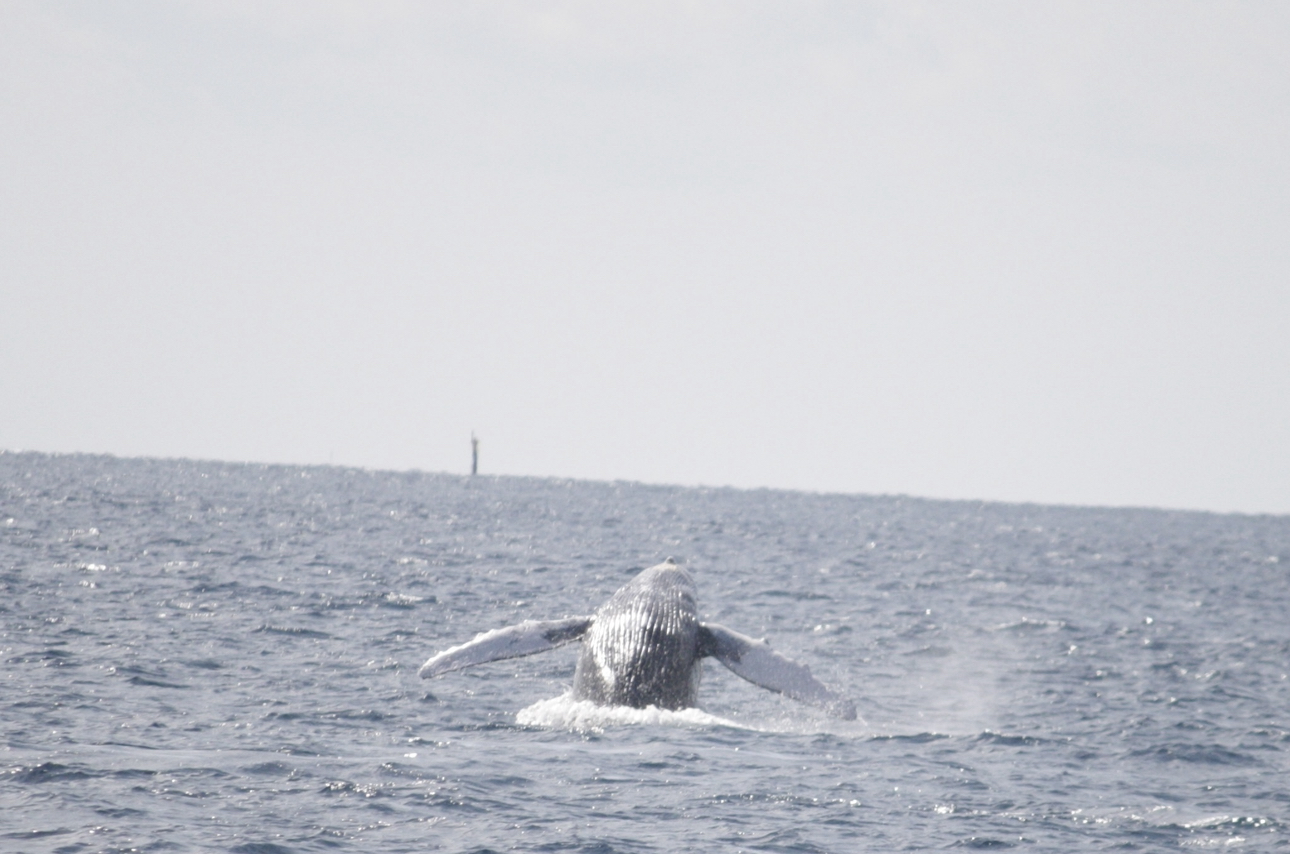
474,454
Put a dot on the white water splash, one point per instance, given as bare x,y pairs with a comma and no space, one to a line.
564,712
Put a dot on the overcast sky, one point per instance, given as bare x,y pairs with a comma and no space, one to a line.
1020,251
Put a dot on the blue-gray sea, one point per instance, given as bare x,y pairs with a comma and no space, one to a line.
203,656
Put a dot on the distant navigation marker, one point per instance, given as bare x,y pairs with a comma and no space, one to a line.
474,453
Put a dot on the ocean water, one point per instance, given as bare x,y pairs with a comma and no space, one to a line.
203,656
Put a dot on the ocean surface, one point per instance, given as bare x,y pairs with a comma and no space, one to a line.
203,656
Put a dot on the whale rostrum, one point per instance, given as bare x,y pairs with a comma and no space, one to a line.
645,647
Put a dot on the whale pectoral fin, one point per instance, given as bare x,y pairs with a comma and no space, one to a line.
529,637
755,661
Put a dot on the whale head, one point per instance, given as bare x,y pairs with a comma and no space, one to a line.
641,648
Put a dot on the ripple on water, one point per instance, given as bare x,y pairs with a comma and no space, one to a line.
1020,690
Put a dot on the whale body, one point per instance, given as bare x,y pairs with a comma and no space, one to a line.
645,647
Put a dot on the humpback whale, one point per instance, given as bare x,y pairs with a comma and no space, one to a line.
645,647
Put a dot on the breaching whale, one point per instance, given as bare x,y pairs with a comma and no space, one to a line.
645,647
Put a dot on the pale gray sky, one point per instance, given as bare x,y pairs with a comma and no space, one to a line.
1021,251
